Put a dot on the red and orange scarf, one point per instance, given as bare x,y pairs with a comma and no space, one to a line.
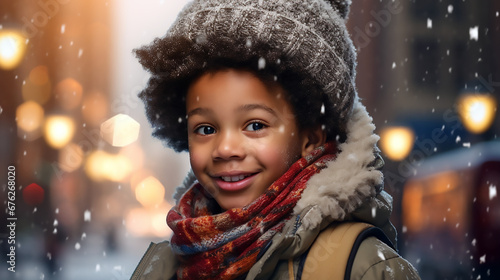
213,245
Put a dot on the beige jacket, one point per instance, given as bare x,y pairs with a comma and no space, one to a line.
348,189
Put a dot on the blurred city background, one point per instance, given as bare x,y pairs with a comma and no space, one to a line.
93,187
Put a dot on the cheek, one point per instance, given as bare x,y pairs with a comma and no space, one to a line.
278,155
197,158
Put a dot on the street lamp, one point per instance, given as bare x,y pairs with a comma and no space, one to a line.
397,141
477,111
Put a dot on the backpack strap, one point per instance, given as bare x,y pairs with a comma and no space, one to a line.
332,254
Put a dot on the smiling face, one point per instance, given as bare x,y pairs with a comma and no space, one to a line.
242,135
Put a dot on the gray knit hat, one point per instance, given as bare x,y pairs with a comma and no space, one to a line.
305,36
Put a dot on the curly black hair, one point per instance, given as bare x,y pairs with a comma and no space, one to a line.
165,94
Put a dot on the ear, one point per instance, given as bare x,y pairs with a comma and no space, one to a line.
311,139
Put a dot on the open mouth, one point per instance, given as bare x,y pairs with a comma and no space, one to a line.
234,178
235,182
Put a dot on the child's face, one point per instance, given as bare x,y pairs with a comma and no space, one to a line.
242,136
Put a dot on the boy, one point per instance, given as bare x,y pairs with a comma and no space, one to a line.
261,94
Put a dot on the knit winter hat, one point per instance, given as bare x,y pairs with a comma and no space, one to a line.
305,36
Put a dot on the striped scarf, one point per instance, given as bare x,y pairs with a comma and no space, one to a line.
214,245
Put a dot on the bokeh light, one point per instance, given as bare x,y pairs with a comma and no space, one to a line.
477,111
69,93
397,142
29,116
101,165
59,130
37,87
12,48
94,108
120,130
33,195
150,192
143,222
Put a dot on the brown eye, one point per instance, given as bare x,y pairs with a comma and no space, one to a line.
205,130
255,126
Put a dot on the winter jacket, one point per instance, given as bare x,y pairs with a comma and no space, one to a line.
350,188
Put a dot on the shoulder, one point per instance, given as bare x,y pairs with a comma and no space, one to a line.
158,262
376,260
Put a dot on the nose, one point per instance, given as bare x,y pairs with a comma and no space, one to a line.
229,146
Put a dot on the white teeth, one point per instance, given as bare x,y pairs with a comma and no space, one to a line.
233,178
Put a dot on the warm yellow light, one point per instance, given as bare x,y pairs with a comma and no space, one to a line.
477,111
70,157
12,48
94,108
29,116
150,192
148,221
37,87
120,130
101,166
69,93
59,131
397,142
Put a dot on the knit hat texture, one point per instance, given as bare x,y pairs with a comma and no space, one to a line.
306,36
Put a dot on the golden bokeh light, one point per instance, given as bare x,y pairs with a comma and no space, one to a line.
94,108
397,142
150,192
70,157
147,222
101,166
37,87
477,111
29,116
120,130
12,48
69,93
59,130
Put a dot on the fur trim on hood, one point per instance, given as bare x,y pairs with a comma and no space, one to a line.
349,180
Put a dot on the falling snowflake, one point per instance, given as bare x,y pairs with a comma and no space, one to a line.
262,63
482,259
493,191
429,23
466,144
450,9
87,216
77,246
474,33
458,139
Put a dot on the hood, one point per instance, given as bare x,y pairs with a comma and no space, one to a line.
350,181
349,188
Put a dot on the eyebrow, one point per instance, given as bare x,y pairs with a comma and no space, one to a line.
246,107
199,111
250,107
